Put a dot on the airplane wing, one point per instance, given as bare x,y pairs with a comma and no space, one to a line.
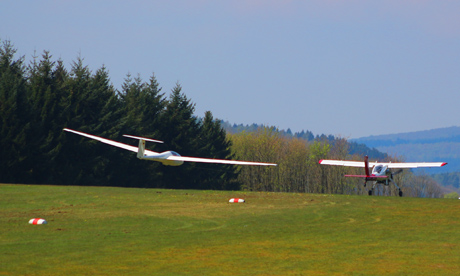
360,164
217,161
413,165
107,141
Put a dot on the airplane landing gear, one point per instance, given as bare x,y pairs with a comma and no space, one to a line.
371,190
400,193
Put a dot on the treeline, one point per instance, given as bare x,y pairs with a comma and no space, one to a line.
238,128
299,170
39,99
354,148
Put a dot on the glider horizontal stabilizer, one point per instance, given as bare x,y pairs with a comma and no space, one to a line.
143,138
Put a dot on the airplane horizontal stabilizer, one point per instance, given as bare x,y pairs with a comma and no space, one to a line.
366,176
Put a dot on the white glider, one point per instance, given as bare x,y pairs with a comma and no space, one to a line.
168,158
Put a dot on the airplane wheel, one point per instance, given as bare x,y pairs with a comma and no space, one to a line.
400,193
370,192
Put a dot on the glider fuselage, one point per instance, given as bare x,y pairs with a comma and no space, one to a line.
163,158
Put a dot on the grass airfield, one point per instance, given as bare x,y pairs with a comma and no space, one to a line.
126,231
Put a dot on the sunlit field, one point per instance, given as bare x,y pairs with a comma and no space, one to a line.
120,231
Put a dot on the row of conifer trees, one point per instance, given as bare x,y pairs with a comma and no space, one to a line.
38,100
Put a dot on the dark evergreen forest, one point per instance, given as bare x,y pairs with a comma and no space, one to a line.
38,100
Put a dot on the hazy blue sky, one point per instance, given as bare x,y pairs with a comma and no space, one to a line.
350,68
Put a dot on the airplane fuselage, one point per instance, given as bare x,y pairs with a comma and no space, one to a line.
380,173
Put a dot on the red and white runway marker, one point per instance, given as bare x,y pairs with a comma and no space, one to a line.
37,221
236,200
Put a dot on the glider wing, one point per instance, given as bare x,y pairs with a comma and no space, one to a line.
109,142
217,161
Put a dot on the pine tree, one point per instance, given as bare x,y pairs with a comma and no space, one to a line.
107,123
15,163
213,143
47,99
91,106
153,105
130,99
181,124
180,135
143,105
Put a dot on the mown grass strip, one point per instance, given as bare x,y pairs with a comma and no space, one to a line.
118,231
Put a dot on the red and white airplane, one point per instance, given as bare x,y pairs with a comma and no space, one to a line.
381,172
168,158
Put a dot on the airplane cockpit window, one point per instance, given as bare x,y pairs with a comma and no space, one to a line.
378,169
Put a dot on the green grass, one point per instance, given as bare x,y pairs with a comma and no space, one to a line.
118,231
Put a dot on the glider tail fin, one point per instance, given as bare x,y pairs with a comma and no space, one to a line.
141,149
366,165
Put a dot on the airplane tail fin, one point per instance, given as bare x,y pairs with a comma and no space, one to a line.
366,165
141,148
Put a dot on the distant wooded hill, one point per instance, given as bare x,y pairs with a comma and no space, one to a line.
354,147
442,144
